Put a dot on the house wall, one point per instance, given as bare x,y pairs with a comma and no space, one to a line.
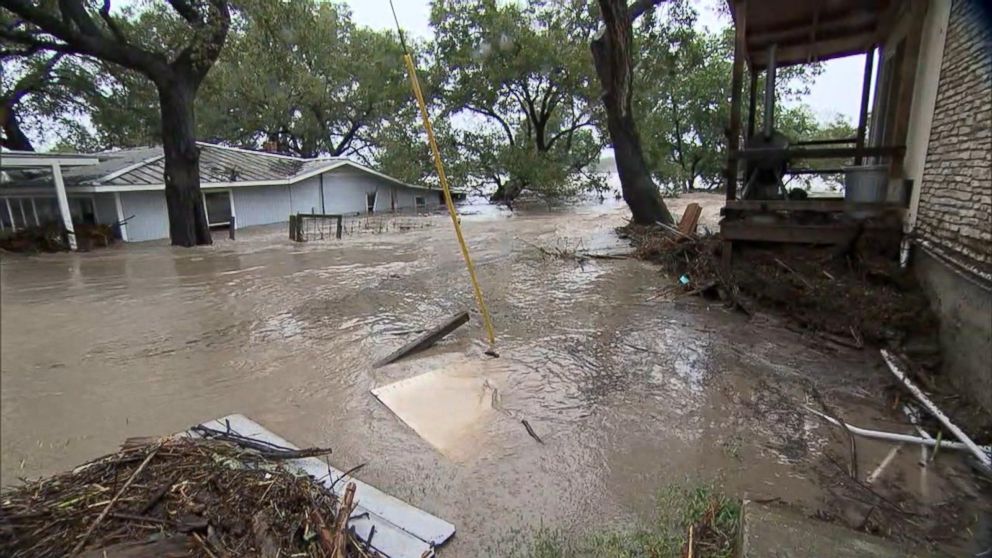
151,216
954,210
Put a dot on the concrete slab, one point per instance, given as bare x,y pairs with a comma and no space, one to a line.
772,532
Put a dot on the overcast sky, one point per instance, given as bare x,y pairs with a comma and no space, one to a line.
836,91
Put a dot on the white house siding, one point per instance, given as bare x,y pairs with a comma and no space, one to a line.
261,205
151,216
305,196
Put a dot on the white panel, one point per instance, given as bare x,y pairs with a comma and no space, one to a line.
401,530
345,189
306,196
261,205
151,215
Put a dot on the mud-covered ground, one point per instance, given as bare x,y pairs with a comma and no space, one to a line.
630,387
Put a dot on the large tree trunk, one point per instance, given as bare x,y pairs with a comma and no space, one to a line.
611,54
187,219
14,138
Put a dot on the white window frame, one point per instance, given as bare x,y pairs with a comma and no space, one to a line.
230,199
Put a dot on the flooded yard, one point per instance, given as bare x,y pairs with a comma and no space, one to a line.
629,388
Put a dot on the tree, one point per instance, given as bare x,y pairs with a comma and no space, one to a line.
35,74
303,76
518,80
177,72
683,102
611,50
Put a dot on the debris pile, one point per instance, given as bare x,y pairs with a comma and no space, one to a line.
50,237
853,294
185,496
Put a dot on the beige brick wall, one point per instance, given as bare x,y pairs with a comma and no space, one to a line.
955,210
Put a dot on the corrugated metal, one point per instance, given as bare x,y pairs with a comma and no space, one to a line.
151,216
261,205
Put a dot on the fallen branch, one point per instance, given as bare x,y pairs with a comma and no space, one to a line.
82,541
896,368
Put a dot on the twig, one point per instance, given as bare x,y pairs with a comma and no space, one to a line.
82,542
786,267
531,431
343,475
341,522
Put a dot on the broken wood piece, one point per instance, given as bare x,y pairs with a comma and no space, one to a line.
786,267
426,339
896,368
341,522
690,219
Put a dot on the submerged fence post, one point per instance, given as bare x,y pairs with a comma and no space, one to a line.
340,227
292,227
230,228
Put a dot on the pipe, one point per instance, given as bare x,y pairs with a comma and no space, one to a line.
890,436
770,94
897,371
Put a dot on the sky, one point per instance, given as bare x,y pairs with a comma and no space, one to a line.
836,91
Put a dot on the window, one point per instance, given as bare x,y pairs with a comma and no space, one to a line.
218,208
420,202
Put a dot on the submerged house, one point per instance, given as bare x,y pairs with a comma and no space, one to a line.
926,128
253,187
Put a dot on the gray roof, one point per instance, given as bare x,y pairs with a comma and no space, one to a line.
143,166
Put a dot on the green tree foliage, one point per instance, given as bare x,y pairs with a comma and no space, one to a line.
521,87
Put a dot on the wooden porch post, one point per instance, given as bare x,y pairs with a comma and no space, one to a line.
70,232
736,84
752,104
865,93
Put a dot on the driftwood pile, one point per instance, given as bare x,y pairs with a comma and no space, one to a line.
180,496
854,295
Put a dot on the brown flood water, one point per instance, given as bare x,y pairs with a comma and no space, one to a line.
630,391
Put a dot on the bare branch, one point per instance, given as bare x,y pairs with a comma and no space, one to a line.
111,24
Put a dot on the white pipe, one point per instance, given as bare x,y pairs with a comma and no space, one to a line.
896,368
891,436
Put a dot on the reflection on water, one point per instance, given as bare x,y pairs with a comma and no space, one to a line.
628,393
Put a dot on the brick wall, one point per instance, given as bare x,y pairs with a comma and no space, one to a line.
955,211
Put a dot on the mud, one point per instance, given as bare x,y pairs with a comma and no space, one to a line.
629,389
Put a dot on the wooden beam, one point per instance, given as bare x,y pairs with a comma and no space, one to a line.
736,84
865,94
801,30
798,234
752,103
426,339
795,153
822,50
63,202
831,205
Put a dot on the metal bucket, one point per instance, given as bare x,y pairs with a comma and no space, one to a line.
866,184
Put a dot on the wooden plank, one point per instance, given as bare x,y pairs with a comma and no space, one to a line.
752,102
690,219
426,339
820,152
736,84
828,205
800,234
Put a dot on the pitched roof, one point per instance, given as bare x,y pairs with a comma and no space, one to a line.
145,166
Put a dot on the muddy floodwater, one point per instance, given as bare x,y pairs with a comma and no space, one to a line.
630,388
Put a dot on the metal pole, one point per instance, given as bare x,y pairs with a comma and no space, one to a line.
863,114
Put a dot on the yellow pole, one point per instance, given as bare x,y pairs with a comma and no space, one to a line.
443,178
